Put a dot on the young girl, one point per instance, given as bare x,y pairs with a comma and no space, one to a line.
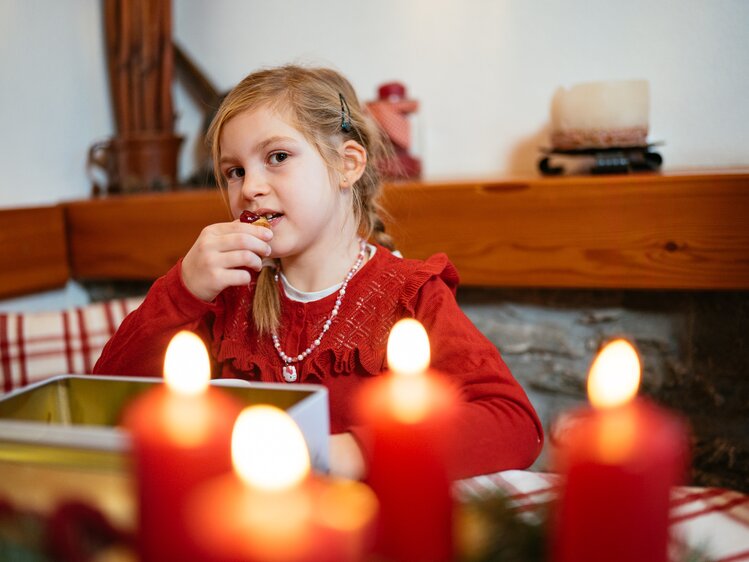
294,145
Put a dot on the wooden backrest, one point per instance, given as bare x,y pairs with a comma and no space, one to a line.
33,250
138,236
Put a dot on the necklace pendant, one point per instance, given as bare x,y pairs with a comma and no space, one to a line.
289,373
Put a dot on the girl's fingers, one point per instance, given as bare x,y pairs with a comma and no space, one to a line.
212,249
224,237
248,228
236,277
242,241
240,258
219,256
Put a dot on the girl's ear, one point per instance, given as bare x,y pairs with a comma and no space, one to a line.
354,158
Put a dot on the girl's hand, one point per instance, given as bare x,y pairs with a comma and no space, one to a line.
214,261
346,459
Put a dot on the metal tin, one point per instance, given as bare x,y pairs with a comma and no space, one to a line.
72,420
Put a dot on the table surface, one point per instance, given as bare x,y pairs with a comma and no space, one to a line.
713,520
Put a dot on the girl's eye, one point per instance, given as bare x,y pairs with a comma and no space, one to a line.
277,157
234,173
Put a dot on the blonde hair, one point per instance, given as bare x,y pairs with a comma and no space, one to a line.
319,102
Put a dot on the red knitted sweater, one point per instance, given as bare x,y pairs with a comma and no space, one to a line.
497,425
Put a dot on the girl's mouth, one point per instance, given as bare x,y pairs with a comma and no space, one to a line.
251,217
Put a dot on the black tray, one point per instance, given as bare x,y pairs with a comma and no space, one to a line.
613,160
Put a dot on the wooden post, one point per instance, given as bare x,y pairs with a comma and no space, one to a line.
142,155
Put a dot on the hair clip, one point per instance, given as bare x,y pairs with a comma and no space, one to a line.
346,125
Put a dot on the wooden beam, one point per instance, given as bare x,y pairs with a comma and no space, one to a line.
33,255
652,231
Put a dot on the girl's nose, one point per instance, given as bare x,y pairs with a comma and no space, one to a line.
254,186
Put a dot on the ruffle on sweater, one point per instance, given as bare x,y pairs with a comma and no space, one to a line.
259,365
385,290
361,360
437,265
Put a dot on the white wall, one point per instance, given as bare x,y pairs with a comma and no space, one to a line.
54,99
484,71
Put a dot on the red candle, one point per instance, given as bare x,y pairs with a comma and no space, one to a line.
181,436
270,509
620,460
409,410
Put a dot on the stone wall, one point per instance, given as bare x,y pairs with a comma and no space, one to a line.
694,349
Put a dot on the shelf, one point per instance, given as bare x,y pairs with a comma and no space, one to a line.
652,231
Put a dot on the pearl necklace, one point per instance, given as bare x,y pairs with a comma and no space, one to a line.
289,370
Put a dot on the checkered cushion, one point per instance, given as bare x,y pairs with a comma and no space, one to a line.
38,345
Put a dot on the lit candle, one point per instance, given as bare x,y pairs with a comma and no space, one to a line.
181,436
620,461
409,410
271,509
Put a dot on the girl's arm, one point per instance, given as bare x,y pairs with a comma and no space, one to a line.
497,427
139,345
220,257
346,457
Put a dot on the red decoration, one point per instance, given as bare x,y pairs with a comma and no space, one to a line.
391,111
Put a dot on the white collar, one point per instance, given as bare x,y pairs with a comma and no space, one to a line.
312,296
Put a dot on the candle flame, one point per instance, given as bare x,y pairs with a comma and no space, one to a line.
268,449
615,375
187,370
408,347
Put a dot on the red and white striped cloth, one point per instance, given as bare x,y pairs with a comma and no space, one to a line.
35,346
713,520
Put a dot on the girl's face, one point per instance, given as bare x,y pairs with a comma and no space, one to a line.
272,170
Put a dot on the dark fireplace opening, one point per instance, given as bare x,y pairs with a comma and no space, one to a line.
694,348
